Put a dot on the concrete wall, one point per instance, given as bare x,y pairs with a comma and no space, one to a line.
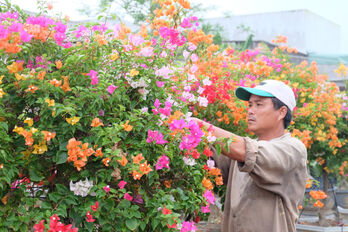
305,30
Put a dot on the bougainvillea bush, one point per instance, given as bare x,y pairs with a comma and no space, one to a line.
93,135
95,121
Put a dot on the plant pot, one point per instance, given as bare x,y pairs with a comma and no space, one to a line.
308,228
342,198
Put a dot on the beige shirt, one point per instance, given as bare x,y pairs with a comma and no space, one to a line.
264,192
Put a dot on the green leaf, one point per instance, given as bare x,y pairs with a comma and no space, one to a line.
34,175
62,189
61,157
132,223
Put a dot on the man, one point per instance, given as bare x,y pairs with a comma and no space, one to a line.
265,177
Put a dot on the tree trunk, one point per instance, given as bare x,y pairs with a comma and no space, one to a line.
324,209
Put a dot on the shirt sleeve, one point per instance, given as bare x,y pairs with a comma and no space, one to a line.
271,163
223,163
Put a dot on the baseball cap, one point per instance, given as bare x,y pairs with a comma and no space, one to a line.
269,88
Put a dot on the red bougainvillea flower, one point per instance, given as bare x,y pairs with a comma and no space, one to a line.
89,217
166,211
95,206
39,227
107,188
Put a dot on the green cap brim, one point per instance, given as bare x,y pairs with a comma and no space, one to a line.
244,93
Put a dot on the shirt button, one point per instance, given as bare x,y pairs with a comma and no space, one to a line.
234,216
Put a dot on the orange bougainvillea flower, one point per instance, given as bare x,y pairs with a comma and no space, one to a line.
123,161
317,195
127,127
28,137
15,67
145,168
31,88
309,183
136,175
55,82
59,64
97,122
219,180
207,184
65,87
41,75
168,183
318,204
48,135
99,153
106,161
138,158
101,40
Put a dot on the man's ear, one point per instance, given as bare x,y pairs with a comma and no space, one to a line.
282,112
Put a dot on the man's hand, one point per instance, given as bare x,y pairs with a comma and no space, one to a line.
236,147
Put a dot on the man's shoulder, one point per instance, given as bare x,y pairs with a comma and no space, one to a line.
289,141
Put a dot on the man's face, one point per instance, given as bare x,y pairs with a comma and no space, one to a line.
262,117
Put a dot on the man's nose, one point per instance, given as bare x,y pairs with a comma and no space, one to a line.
250,110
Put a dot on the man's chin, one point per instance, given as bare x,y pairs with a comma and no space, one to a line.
251,128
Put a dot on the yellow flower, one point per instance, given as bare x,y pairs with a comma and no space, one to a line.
1,77
73,120
26,153
134,72
342,69
2,119
2,93
114,56
54,112
49,102
33,130
18,130
13,68
40,148
29,121
19,77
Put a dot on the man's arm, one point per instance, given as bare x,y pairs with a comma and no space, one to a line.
236,148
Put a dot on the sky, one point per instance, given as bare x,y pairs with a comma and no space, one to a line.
334,10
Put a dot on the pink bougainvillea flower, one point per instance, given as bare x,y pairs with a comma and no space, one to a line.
160,84
128,197
205,209
95,206
209,196
112,88
121,184
89,217
146,51
94,77
188,226
157,103
163,162
155,136
194,57
178,124
25,37
106,188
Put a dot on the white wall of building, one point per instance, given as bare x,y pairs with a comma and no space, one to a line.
306,31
